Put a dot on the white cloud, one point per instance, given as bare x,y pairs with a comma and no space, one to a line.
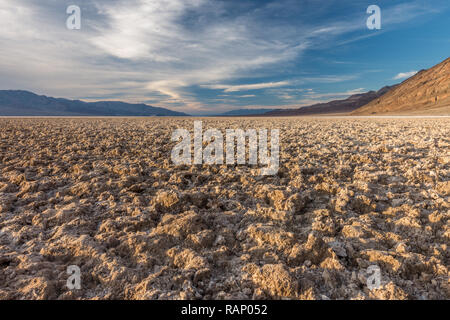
405,75
139,29
247,87
313,95
330,79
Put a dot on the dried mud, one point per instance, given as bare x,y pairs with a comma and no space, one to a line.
103,194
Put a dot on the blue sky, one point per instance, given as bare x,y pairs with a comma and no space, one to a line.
210,56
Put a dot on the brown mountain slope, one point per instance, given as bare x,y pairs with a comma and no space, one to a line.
336,106
428,92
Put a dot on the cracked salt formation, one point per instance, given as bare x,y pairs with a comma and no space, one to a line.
102,194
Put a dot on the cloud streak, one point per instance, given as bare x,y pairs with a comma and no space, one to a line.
247,87
404,75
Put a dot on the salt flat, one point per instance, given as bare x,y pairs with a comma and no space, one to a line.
102,194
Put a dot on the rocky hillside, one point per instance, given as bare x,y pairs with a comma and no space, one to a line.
428,92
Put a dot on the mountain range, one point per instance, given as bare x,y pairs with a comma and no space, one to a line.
25,103
336,106
427,92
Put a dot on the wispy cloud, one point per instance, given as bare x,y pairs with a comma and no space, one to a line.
247,87
314,95
308,97
405,75
330,78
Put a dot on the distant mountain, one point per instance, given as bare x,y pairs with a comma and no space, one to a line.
428,92
245,112
337,106
25,103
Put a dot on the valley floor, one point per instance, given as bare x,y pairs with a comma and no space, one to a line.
103,194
